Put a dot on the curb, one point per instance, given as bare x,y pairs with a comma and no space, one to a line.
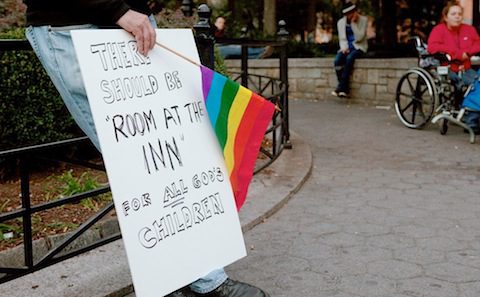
277,183
104,272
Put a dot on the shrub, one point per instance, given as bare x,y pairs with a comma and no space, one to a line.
169,18
300,49
31,111
12,14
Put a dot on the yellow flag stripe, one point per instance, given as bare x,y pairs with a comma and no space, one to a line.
235,115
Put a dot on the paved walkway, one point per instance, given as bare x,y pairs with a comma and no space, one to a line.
388,211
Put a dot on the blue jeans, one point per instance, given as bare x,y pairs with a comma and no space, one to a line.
54,48
471,117
343,67
235,51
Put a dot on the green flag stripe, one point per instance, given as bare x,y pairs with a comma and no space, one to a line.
228,95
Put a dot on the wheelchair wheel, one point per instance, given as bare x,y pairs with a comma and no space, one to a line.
443,126
416,97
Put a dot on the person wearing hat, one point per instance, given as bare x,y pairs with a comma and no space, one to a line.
352,37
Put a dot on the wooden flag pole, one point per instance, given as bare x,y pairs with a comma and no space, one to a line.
193,62
178,54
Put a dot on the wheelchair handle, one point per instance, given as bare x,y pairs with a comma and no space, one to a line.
418,42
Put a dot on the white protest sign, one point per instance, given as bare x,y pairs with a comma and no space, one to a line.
169,183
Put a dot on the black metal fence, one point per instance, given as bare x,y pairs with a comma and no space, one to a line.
276,139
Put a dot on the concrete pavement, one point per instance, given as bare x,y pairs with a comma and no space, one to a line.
387,211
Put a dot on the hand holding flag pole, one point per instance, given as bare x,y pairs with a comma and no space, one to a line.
239,118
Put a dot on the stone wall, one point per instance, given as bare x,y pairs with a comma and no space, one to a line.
373,81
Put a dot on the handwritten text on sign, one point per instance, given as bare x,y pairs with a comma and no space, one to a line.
167,174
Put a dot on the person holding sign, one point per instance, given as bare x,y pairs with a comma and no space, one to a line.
50,23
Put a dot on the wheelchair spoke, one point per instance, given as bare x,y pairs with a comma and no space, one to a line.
410,85
422,92
415,98
404,94
414,112
408,106
420,110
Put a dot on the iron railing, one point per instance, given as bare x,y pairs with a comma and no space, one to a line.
26,157
276,139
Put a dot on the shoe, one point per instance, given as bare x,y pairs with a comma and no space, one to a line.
183,292
231,288
342,94
267,52
335,93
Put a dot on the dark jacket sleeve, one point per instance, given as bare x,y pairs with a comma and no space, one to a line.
107,10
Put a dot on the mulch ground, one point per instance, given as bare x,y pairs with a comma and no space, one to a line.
46,185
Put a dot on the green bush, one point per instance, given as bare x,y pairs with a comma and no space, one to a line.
300,49
31,110
12,14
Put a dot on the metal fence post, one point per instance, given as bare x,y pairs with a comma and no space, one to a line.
27,217
187,8
244,59
204,36
283,35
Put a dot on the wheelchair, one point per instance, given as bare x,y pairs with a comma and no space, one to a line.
425,93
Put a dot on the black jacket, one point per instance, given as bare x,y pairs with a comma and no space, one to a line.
76,12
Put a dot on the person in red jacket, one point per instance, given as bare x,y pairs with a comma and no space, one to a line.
460,41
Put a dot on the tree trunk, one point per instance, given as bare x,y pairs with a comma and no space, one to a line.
311,17
269,17
388,34
231,7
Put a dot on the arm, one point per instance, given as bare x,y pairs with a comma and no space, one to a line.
361,32
109,11
437,43
139,26
120,13
475,47
342,37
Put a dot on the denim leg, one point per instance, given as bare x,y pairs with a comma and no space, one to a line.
339,63
255,52
209,282
56,53
347,69
235,51
230,50
472,119
467,78
54,48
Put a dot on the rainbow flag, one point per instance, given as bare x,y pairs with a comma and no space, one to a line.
240,119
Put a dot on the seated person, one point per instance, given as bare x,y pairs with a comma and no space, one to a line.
460,41
404,31
235,50
352,39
